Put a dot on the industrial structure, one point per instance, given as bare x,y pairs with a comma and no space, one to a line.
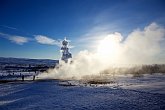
66,55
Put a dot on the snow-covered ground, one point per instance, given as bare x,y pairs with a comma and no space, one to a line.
127,93
148,83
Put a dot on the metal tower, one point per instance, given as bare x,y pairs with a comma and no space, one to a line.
66,55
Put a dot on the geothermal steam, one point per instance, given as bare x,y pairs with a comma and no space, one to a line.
139,47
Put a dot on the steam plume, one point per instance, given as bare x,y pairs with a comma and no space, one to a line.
140,47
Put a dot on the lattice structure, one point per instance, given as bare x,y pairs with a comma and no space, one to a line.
66,55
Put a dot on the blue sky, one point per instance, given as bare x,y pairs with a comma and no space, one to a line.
32,28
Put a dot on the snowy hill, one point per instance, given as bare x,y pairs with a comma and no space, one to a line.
26,61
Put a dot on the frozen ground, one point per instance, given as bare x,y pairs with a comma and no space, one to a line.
127,94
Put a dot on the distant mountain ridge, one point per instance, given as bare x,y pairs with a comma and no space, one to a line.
27,61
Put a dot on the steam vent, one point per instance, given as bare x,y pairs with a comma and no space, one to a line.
66,55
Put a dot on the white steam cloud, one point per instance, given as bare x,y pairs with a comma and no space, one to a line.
140,47
144,46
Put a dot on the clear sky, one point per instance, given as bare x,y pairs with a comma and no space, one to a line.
32,28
